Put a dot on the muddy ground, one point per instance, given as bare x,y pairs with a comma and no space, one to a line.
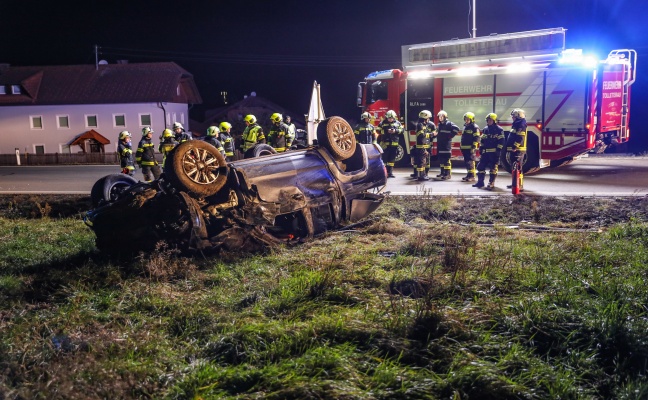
570,212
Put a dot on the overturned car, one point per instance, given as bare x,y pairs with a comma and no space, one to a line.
201,202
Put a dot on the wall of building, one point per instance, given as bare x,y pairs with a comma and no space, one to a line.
16,129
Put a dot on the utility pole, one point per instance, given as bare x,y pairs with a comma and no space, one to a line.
96,49
474,12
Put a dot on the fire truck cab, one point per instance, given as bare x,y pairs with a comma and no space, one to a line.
569,98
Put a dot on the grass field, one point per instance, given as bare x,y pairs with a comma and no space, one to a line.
432,298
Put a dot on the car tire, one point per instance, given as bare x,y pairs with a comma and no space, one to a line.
108,188
196,167
338,138
259,150
531,160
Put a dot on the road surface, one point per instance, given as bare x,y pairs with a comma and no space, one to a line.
588,176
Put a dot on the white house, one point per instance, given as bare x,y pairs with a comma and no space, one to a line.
82,108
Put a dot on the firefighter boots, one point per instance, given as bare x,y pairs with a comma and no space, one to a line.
414,175
446,175
390,172
480,181
491,182
422,176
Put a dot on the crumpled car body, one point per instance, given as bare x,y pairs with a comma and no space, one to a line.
203,203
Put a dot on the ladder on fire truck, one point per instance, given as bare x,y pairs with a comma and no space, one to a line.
629,57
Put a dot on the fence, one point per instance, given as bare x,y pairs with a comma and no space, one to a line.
58,158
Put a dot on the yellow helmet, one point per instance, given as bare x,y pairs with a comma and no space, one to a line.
425,114
212,131
391,114
470,116
276,117
492,116
365,115
250,118
167,133
224,126
124,134
518,113
442,114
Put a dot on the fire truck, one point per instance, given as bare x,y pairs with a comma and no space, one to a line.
571,99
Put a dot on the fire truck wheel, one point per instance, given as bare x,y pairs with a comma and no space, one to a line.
531,160
109,187
338,138
259,150
197,168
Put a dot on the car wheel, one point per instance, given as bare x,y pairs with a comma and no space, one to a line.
259,150
338,138
531,159
197,168
108,188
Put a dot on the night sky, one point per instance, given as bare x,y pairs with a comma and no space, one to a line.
278,48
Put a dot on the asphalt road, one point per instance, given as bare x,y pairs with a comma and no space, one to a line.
588,176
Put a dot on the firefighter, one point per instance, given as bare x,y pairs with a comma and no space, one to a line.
516,142
180,134
252,134
145,157
365,132
278,135
424,134
391,130
469,144
226,140
167,143
212,138
492,143
445,131
125,153
292,131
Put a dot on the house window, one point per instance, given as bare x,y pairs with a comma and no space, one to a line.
15,89
36,122
64,148
145,119
39,149
91,121
3,90
119,120
63,121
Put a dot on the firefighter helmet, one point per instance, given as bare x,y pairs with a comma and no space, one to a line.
470,116
124,134
365,115
276,117
224,126
492,116
167,133
442,114
178,125
146,130
391,114
212,131
518,113
425,114
250,118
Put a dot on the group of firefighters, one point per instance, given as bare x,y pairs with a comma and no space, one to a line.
489,142
280,137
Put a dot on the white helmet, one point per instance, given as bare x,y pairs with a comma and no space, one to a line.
177,125
442,114
391,114
425,114
518,113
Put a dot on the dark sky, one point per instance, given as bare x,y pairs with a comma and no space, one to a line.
278,48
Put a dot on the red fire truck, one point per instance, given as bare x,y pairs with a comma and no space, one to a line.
569,98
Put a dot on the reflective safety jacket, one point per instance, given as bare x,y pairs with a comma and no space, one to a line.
252,135
278,136
146,153
166,146
182,137
390,133
424,132
445,132
216,143
364,133
228,143
492,140
517,138
290,137
125,152
470,137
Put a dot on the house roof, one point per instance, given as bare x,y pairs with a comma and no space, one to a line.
104,84
250,105
91,134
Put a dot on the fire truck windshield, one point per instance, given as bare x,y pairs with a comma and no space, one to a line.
376,90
